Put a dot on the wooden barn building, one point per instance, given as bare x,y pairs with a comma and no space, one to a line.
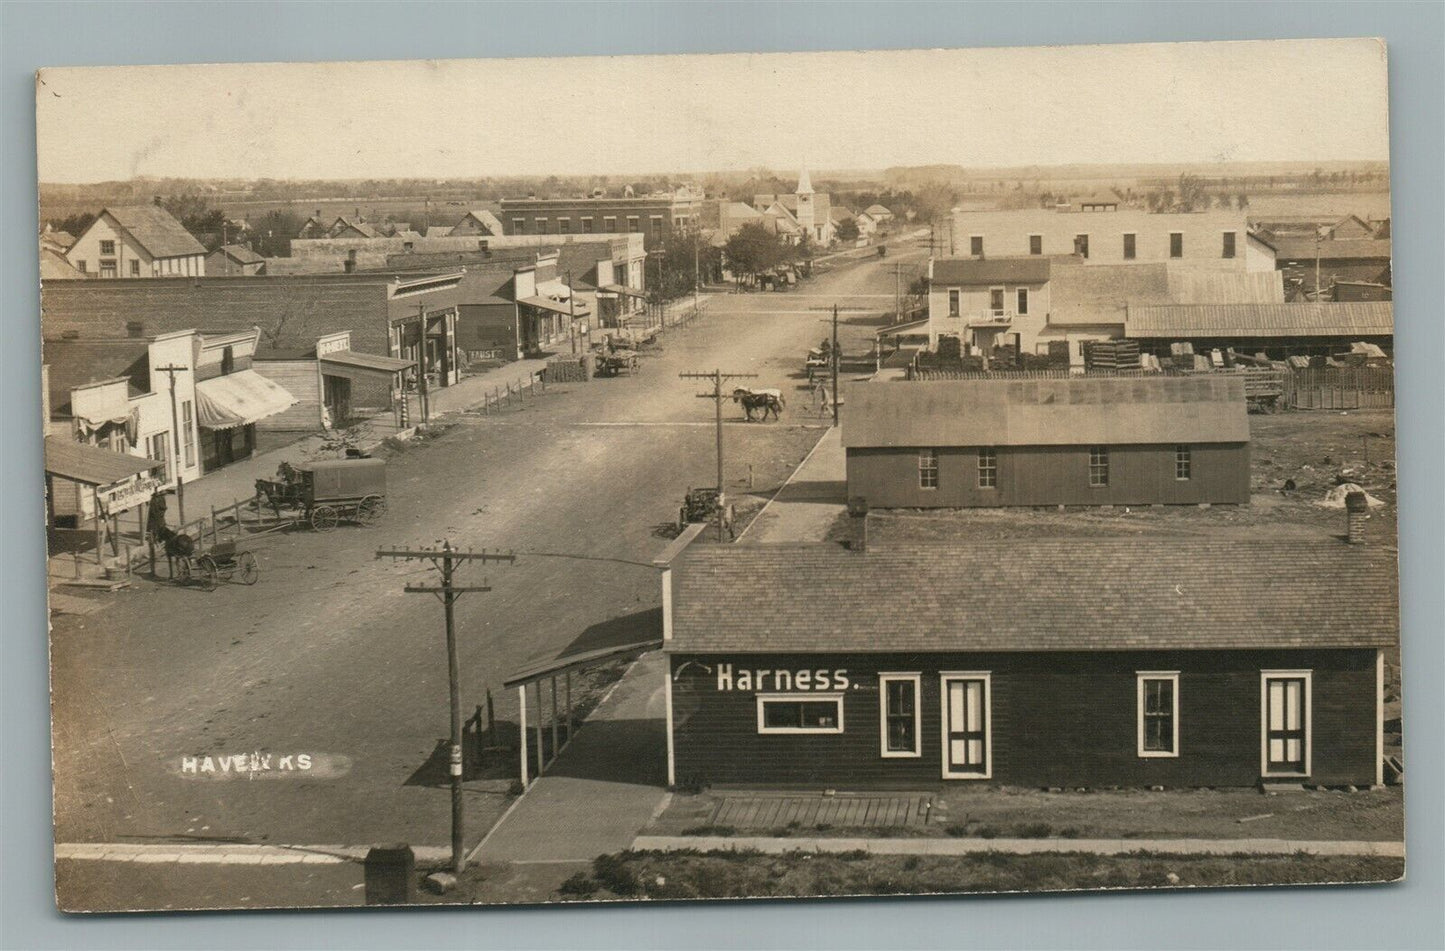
1176,662
1077,441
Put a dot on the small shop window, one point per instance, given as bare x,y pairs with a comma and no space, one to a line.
1099,466
928,468
1158,713
1183,464
988,468
800,713
899,715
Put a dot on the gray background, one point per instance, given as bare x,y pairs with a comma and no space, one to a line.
1403,916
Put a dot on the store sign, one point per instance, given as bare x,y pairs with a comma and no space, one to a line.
766,678
128,495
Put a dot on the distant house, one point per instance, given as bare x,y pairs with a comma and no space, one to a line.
55,267
477,221
313,228
1076,441
1307,260
867,224
56,239
810,212
234,260
878,213
137,241
344,227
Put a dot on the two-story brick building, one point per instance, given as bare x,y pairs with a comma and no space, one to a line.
656,217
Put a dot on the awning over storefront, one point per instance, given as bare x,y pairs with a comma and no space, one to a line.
619,289
90,465
553,288
574,309
350,363
239,399
912,328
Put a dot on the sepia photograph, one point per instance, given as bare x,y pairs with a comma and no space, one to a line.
732,476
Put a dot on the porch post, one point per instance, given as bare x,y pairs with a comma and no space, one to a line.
522,722
99,525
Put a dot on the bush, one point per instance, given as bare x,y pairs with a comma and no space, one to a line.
724,831
958,830
1035,830
579,885
853,855
910,863
615,874
986,831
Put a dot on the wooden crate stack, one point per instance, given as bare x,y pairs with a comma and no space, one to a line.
1112,354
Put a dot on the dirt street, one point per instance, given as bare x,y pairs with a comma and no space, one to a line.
327,658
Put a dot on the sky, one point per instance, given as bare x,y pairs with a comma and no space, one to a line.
1282,100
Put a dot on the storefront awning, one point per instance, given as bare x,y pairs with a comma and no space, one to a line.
619,289
366,361
553,288
90,465
239,399
912,328
574,309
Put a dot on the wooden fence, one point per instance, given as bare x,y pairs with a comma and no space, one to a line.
1340,388
509,394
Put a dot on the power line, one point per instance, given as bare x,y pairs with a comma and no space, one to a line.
717,377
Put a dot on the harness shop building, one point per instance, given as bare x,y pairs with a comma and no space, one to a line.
1029,662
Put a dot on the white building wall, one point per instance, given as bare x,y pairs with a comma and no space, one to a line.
1006,234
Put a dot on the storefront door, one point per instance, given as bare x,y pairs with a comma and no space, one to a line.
966,752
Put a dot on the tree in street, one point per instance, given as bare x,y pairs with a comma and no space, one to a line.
846,230
753,249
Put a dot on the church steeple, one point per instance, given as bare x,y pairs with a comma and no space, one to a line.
805,185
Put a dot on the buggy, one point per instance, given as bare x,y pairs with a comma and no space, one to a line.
617,362
324,492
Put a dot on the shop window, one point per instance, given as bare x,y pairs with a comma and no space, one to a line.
107,247
1228,249
967,726
1158,713
1176,244
1285,722
900,716
1183,464
1036,244
928,468
800,713
1099,466
1130,246
988,468
188,432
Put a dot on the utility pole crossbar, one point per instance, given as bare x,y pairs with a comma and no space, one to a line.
717,377
447,560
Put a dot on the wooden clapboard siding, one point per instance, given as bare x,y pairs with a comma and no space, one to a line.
1051,475
1058,719
302,380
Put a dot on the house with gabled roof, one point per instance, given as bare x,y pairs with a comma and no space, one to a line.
234,260
137,241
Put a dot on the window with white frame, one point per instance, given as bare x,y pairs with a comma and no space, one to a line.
1158,713
1183,464
564,225
609,224
586,225
1099,466
928,468
541,224
967,725
1285,722
900,718
1021,298
995,301
987,468
655,225
954,298
633,224
107,247
188,431
800,713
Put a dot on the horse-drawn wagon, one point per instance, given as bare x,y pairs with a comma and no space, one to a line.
324,492
616,362
701,505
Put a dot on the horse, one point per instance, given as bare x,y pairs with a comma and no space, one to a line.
768,401
176,546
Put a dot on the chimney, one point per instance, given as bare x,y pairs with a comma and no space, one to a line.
1357,509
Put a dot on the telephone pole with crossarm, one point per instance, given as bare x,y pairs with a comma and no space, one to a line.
717,377
447,560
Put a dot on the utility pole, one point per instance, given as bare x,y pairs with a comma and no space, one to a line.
835,358
717,377
178,439
571,314
446,560
423,395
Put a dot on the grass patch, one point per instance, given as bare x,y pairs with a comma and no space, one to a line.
740,874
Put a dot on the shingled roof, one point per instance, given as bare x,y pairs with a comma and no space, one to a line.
156,230
1065,412
1036,595
984,271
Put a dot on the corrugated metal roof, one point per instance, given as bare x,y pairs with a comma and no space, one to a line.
1036,595
157,230
1303,319
367,361
90,465
971,271
1048,412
